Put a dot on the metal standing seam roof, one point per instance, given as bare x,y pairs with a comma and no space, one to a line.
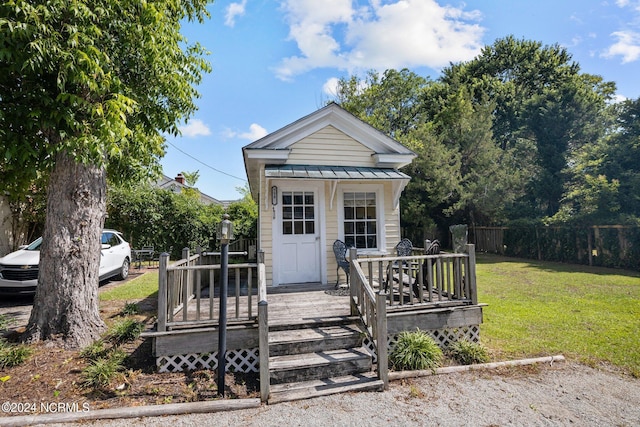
331,172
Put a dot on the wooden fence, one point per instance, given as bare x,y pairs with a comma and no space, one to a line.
596,245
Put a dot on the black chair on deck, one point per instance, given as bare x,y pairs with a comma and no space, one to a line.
431,248
340,251
404,247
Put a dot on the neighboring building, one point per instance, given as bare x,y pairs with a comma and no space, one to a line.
324,177
178,183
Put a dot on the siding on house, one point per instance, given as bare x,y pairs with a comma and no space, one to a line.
333,138
329,146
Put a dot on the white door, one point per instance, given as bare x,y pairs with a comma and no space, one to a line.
297,235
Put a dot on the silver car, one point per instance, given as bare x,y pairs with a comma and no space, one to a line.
19,269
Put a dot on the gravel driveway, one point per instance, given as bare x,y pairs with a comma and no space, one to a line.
565,394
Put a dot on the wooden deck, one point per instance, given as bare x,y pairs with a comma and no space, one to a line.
306,303
387,296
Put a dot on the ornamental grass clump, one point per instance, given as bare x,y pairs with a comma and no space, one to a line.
415,351
126,330
5,322
13,354
467,353
130,309
100,372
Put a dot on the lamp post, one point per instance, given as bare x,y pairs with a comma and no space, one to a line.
225,234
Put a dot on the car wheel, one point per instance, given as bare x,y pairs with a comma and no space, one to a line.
124,270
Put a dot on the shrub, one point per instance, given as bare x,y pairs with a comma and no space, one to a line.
125,331
13,355
101,372
467,352
5,322
95,351
415,351
129,309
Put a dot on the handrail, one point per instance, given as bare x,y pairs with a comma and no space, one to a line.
371,306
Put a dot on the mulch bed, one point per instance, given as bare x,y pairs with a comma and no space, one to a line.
54,375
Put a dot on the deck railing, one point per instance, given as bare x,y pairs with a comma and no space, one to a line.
379,284
441,279
187,290
371,306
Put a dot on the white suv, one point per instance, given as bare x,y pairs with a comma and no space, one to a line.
19,269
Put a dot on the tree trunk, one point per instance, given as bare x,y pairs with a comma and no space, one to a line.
65,306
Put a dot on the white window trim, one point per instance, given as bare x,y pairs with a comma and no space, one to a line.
378,189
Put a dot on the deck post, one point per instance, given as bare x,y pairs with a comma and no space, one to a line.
471,273
186,284
353,278
263,329
162,292
263,349
381,338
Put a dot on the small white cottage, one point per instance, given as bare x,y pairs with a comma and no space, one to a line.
326,176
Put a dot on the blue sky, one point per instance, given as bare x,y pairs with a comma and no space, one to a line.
276,61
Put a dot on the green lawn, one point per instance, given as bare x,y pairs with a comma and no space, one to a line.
543,308
140,287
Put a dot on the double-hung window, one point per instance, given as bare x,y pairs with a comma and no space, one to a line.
360,219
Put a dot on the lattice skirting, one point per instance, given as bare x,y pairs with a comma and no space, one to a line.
245,360
443,337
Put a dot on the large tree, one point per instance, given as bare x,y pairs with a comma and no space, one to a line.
542,103
87,89
605,177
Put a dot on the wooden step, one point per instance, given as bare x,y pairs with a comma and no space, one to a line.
323,364
311,340
367,381
289,324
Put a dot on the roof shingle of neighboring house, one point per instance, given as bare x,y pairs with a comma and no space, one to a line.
178,183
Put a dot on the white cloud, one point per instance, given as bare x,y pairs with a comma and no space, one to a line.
627,46
195,128
618,98
330,87
255,132
399,33
234,10
634,4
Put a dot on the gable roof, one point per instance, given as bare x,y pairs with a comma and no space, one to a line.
276,147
